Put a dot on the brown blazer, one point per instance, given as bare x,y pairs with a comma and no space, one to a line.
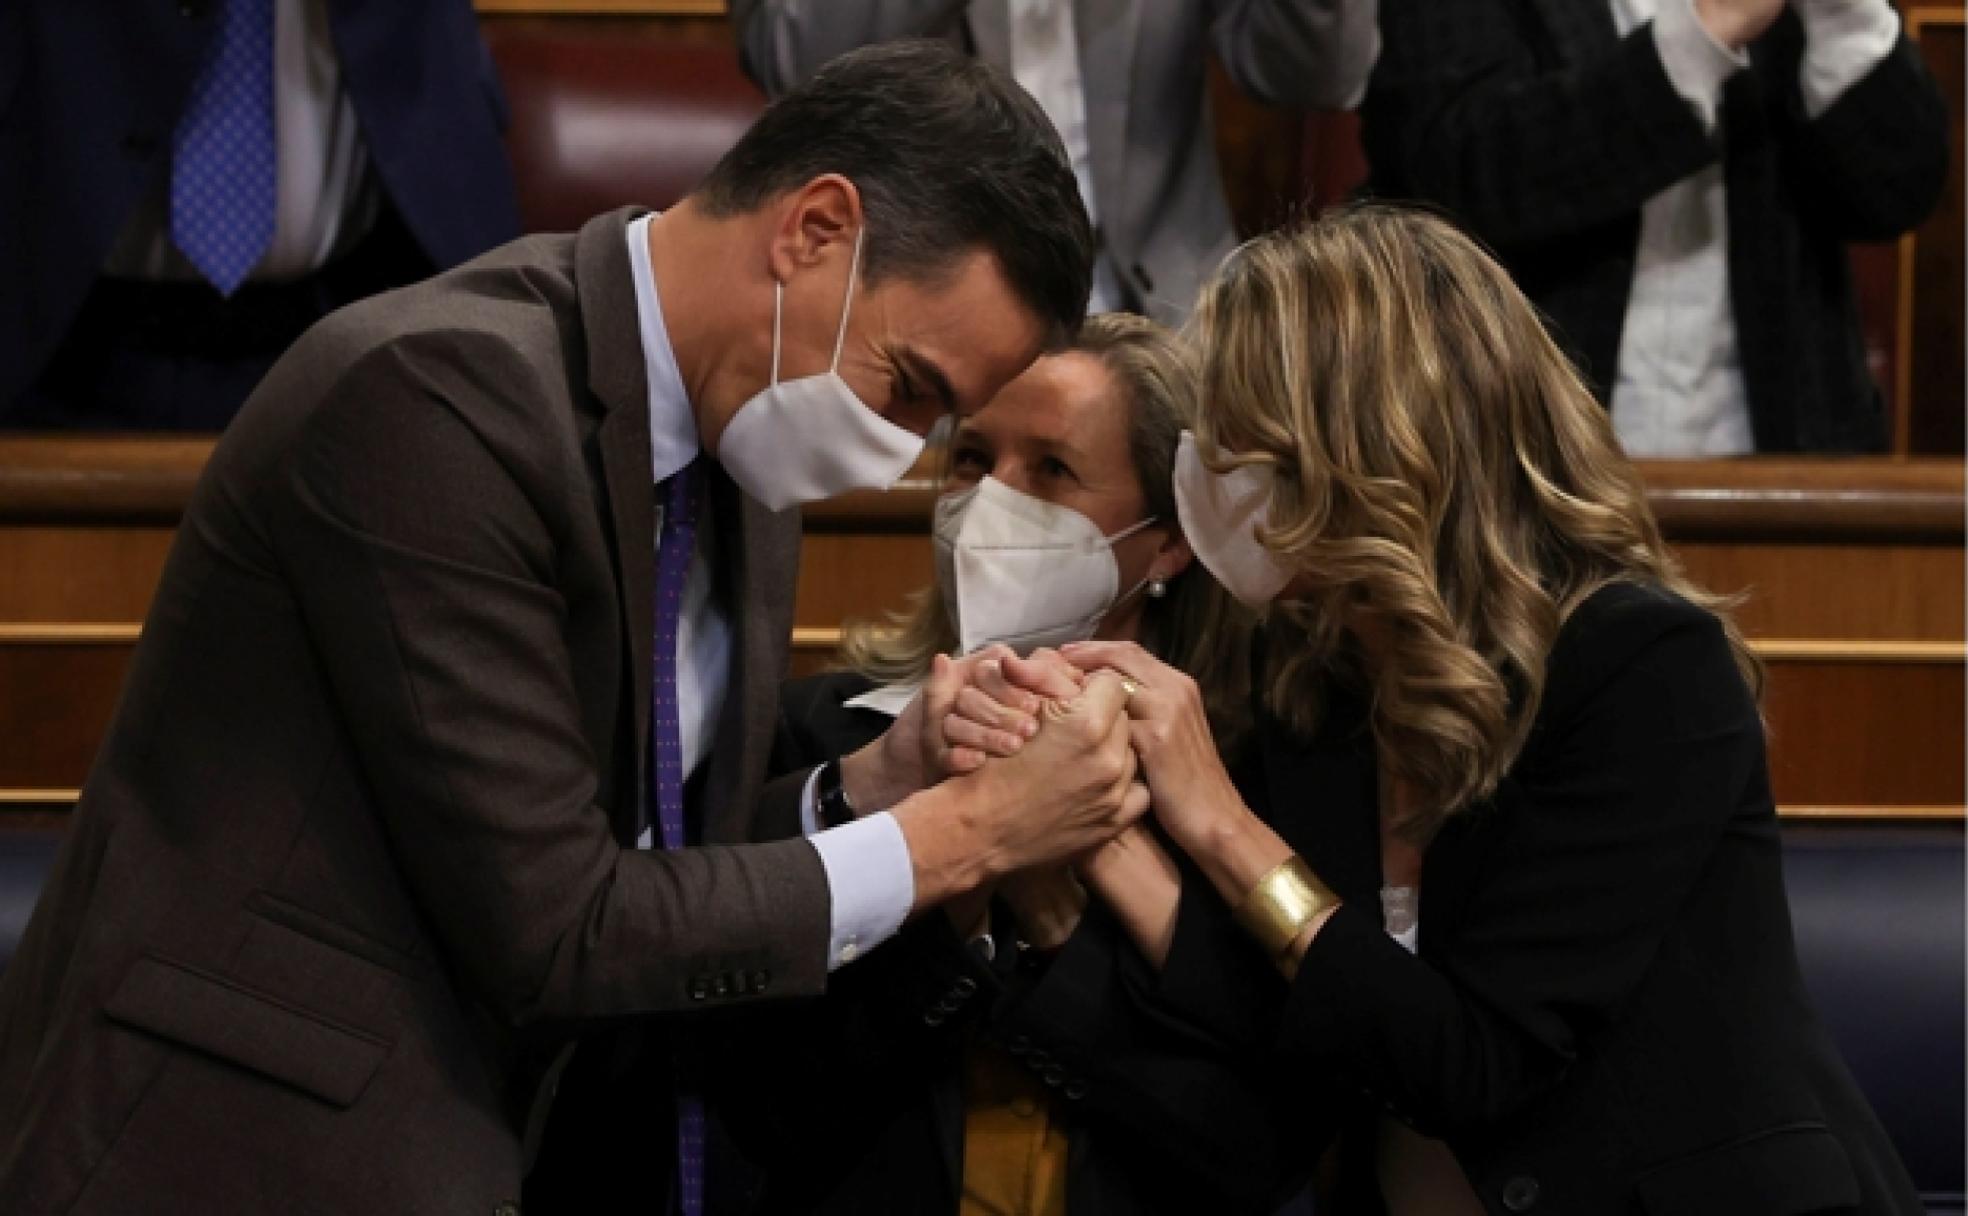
353,860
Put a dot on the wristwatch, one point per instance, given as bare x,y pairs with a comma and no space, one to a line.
830,797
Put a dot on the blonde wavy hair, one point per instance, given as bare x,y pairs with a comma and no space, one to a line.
1442,478
1197,626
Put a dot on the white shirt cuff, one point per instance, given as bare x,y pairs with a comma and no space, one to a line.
1697,65
1843,41
870,878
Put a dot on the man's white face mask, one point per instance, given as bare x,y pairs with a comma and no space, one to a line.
1022,571
799,441
1220,514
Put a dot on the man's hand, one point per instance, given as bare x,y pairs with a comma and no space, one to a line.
1069,788
1737,23
914,753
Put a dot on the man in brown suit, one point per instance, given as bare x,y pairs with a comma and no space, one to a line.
358,863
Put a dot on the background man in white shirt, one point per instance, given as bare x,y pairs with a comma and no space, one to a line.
1674,182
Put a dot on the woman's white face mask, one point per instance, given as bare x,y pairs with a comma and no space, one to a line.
1220,515
1022,571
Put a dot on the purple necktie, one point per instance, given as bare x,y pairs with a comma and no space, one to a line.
223,159
682,496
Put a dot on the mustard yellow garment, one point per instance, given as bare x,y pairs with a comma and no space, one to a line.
1014,1159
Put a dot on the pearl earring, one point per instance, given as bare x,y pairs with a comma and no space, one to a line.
1157,588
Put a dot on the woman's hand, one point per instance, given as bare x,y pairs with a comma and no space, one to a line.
1048,901
1138,882
1193,796
996,710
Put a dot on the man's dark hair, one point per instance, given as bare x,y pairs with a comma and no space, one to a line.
950,156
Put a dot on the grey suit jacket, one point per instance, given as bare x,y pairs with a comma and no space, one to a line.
1156,183
356,848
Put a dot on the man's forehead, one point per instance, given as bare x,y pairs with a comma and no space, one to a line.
969,327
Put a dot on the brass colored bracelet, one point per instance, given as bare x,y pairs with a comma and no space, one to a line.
1282,903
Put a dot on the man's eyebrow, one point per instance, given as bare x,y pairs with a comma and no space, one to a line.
924,369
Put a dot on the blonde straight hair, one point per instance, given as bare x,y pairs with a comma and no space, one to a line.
1443,478
1196,626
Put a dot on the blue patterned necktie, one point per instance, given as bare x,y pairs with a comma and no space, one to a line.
223,159
682,498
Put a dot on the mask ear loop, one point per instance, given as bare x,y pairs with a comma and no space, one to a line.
1128,531
853,271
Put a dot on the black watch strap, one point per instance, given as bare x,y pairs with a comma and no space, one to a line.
830,797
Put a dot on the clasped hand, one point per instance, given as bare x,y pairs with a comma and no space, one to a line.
999,711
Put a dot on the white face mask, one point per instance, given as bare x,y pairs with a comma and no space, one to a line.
1220,514
1023,571
807,439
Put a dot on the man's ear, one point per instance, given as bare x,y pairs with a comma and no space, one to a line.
809,221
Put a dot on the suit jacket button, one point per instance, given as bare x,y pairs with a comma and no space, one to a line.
1520,1194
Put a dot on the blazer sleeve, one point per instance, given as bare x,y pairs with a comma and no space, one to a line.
1874,164
424,566
782,43
1473,110
1312,53
1586,864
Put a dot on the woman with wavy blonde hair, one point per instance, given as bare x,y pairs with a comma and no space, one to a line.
1513,851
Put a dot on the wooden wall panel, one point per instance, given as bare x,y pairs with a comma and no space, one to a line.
1849,733
55,704
858,574
54,573
1843,591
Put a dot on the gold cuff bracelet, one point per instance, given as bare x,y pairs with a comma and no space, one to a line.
1282,903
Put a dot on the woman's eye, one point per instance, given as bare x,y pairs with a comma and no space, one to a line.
1052,466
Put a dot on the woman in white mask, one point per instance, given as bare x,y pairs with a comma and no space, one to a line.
1010,1057
1511,868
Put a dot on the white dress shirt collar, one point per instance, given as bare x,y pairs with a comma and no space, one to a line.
673,441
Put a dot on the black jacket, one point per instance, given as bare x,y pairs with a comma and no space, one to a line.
1606,1013
854,1103
1544,132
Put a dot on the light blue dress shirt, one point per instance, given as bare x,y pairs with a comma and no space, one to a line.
870,878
